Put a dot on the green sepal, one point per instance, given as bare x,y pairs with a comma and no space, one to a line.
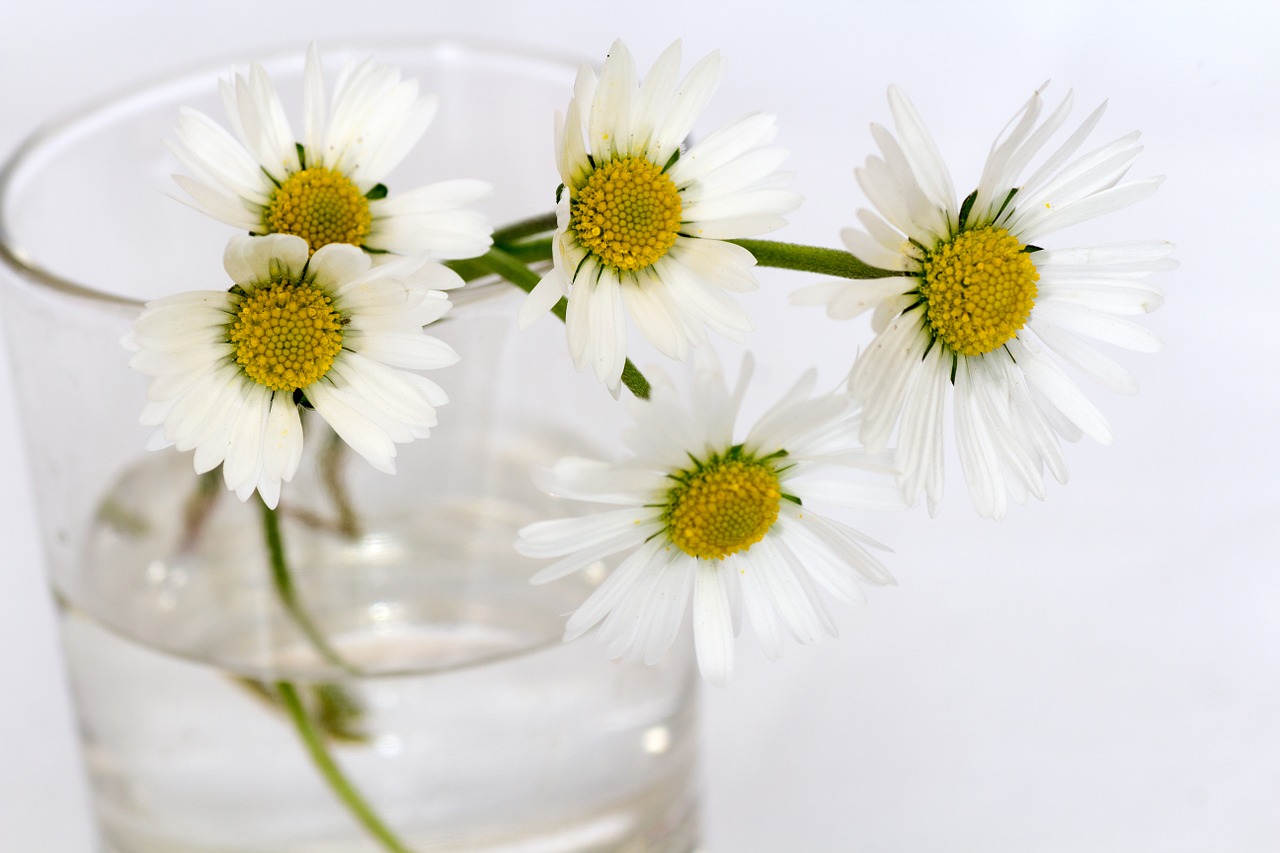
966,206
378,191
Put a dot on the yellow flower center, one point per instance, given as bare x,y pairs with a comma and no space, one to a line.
979,290
628,214
722,507
321,206
286,334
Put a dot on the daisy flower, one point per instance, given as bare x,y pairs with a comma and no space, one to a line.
980,306
726,524
331,330
327,188
641,225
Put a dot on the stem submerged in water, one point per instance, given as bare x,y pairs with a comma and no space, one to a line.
289,595
310,733
332,773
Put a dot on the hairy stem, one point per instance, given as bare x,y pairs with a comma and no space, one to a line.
543,223
814,259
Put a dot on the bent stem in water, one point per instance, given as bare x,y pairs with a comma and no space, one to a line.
341,786
289,595
312,735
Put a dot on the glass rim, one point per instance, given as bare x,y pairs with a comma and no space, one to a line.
49,131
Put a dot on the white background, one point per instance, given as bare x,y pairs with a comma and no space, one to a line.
1098,672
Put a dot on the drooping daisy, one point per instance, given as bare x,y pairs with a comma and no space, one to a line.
641,225
982,305
327,186
232,367
727,523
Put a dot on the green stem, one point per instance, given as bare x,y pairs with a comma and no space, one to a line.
814,259
332,773
531,227
514,270
529,252
289,595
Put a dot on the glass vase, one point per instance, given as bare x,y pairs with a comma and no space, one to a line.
427,666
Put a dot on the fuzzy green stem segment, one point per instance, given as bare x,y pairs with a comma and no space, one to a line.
332,773
514,270
289,595
814,259
543,223
514,239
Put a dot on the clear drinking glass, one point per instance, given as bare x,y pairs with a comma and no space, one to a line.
469,726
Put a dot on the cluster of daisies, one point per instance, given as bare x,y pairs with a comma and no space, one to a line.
336,280
309,319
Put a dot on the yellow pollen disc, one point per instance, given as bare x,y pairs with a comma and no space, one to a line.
628,214
285,335
723,508
320,206
979,289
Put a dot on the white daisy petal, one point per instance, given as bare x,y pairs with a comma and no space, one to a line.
609,120
217,158
727,265
871,251
354,427
1077,353
678,507
1061,392
818,561
804,620
921,151
669,274
690,99
920,448
1097,325
656,319
713,630
313,106
225,208
282,440
407,349
721,148
244,451
549,290
945,324
561,536
666,610
760,610
612,591
653,102
219,388
254,178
